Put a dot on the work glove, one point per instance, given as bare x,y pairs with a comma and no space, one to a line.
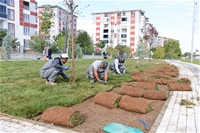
65,67
67,77
105,82
100,81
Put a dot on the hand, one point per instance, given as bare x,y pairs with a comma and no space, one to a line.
65,67
67,77
105,82
100,81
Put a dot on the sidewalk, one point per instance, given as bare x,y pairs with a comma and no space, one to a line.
175,118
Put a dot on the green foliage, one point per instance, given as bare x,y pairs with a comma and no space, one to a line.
122,49
140,50
7,49
15,43
46,16
2,35
187,54
27,95
172,49
101,44
37,43
159,53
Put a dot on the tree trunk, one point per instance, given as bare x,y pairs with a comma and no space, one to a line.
73,62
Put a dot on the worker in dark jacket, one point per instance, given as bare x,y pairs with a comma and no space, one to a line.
117,65
54,68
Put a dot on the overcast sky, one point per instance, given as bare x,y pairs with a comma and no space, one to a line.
172,18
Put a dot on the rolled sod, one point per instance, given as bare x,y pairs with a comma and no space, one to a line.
107,99
136,73
132,91
153,80
64,116
138,78
145,85
156,94
166,82
139,105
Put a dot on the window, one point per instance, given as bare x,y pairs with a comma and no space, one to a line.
105,41
118,14
123,35
11,14
112,31
2,9
124,19
26,41
105,36
105,31
123,13
26,18
11,29
3,1
26,30
106,15
10,2
26,5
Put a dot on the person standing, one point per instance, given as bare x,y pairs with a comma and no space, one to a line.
98,70
117,65
53,68
49,53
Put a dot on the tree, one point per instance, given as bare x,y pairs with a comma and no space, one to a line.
187,54
47,23
85,42
7,49
159,53
2,35
150,36
37,43
78,52
140,50
15,43
172,49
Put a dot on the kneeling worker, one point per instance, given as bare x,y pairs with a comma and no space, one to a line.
117,65
54,68
98,70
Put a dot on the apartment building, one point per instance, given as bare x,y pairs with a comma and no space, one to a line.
119,27
61,19
17,17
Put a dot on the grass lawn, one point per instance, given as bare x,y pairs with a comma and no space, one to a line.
194,61
23,93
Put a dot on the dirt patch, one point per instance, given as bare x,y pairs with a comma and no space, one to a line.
96,116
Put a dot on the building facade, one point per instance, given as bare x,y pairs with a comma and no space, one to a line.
119,28
18,18
61,18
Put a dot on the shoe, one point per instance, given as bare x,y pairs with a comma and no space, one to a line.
91,80
51,83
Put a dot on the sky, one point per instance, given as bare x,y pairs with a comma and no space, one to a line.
172,18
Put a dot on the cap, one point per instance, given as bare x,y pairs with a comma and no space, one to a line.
123,56
64,56
104,64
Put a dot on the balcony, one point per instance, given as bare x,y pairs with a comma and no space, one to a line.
3,29
2,15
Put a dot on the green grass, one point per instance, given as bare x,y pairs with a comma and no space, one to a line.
23,93
194,61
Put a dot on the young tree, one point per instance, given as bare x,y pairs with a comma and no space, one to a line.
7,49
150,36
140,50
37,43
172,49
47,23
159,53
15,43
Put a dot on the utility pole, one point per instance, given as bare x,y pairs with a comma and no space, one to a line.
195,24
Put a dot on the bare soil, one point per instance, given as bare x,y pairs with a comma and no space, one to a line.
96,116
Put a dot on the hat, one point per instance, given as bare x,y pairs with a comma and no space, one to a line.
104,64
64,56
123,56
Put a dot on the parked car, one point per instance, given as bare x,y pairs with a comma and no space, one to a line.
197,58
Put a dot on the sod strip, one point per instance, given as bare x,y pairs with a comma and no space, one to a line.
107,99
179,87
139,105
156,94
132,91
64,116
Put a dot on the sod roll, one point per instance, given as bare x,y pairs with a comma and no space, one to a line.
107,99
139,105
156,94
132,91
64,116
